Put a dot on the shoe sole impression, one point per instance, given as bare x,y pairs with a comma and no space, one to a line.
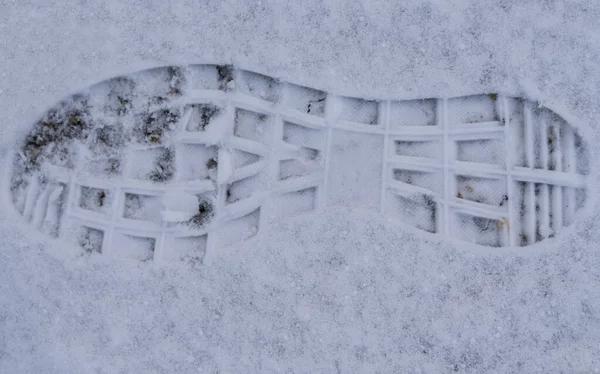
173,163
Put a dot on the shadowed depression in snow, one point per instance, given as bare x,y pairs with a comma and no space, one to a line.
174,163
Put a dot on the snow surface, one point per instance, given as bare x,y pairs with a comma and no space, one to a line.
340,292
179,206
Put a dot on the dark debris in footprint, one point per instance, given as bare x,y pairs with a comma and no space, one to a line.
109,137
91,240
311,102
225,76
504,200
212,164
107,143
176,79
113,166
207,112
93,198
120,97
204,214
432,206
52,135
551,148
151,128
203,114
165,166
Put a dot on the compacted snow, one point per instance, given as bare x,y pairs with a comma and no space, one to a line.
226,150
344,289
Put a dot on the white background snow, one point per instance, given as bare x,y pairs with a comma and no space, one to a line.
341,292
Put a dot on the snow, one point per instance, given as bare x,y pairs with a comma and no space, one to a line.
342,291
179,206
225,167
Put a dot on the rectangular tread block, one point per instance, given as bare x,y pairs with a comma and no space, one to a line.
203,77
199,117
418,148
482,190
142,207
96,199
360,111
303,136
306,100
90,239
481,230
473,109
244,188
259,86
416,210
253,126
432,181
196,162
154,164
413,113
133,247
54,216
483,151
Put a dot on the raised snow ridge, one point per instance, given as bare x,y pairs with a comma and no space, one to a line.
115,168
